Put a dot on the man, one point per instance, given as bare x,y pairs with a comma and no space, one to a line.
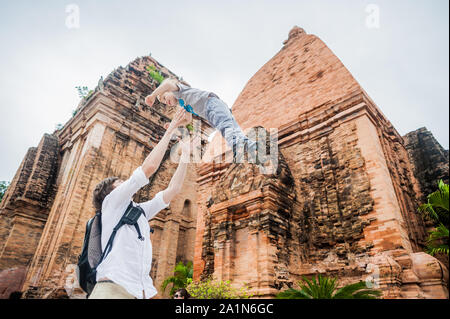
211,108
124,273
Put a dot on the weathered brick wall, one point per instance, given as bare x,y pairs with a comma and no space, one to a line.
429,160
406,186
41,185
248,224
19,182
35,179
24,212
15,189
333,189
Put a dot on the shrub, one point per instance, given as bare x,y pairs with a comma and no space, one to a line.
84,92
3,187
154,74
210,289
182,273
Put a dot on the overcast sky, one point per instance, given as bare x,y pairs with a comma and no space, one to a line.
401,59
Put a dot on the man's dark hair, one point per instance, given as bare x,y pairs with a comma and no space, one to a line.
101,190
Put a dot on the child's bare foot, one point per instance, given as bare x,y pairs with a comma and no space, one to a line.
150,100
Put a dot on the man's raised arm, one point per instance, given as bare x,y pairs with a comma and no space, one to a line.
124,191
153,160
176,183
163,198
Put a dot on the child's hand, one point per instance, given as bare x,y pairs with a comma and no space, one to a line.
150,100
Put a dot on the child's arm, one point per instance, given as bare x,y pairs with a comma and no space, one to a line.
166,85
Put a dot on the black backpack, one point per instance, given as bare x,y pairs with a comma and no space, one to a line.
92,255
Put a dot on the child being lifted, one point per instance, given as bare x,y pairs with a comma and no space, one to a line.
208,106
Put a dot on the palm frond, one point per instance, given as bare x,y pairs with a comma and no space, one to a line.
439,232
441,249
367,294
437,209
318,288
171,280
437,206
428,211
292,294
306,287
437,241
439,200
180,277
347,292
357,290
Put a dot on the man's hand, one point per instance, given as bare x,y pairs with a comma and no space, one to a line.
150,100
153,160
187,118
181,118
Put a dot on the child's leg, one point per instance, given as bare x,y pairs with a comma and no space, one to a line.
219,116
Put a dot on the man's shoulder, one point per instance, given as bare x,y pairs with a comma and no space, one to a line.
106,206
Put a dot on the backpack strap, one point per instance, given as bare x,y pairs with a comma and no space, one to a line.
98,213
139,232
121,222
113,235
110,241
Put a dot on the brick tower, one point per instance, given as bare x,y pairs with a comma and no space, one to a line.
44,213
343,201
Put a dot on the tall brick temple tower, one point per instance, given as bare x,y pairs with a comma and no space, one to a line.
44,212
343,201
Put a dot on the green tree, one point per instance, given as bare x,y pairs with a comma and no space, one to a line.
3,187
180,277
326,288
84,92
436,209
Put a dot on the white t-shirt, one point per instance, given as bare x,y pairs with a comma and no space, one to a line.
129,262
